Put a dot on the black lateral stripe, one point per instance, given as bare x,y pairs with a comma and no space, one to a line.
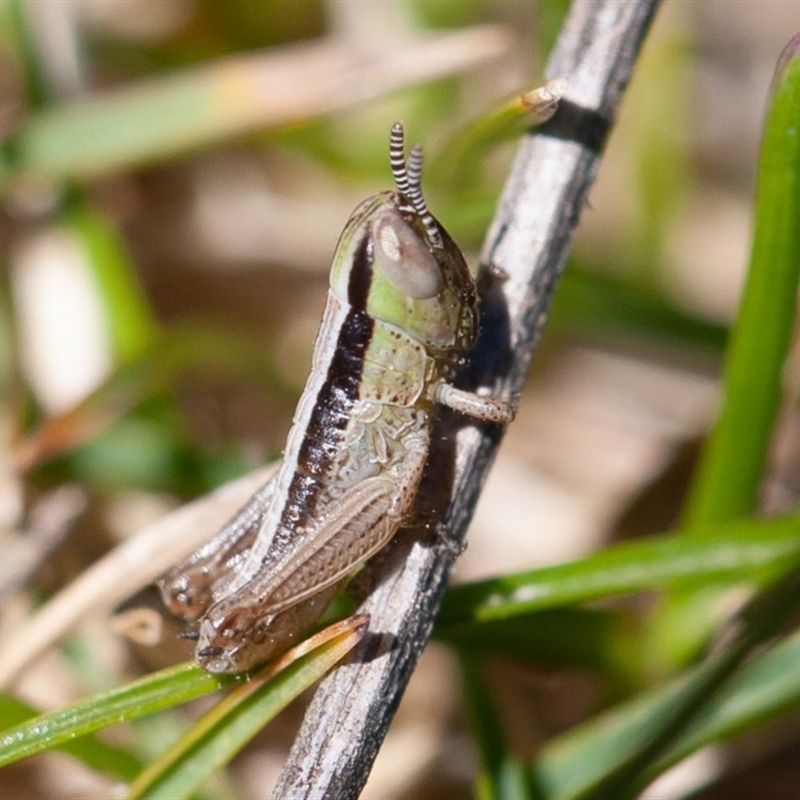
332,409
361,273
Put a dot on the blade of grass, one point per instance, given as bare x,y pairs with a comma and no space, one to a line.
523,615
90,750
597,307
596,639
502,775
727,553
627,748
504,123
152,693
764,618
728,478
132,325
174,114
157,692
223,732
38,90
731,468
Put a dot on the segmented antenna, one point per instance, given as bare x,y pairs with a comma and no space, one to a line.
397,157
415,176
408,180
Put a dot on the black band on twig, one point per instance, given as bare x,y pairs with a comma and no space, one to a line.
574,123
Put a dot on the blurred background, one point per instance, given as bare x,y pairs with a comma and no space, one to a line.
175,174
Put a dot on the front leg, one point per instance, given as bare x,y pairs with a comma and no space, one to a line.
478,406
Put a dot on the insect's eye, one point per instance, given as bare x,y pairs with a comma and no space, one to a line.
404,257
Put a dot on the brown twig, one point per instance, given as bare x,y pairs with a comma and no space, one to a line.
528,244
52,520
115,577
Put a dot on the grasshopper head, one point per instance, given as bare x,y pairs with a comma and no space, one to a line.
396,262
235,637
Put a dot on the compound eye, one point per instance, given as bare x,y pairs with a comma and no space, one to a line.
404,257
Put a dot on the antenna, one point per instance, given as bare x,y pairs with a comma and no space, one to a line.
408,180
397,157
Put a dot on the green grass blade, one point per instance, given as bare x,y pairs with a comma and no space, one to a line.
38,89
731,468
90,750
170,115
131,323
62,729
595,639
502,775
763,691
222,733
142,123
624,750
594,306
153,693
725,554
729,475
503,123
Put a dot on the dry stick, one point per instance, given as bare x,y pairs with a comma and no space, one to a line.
115,577
52,519
528,242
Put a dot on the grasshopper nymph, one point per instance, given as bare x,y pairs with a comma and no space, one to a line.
401,311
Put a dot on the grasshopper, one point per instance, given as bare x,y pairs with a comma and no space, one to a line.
401,314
